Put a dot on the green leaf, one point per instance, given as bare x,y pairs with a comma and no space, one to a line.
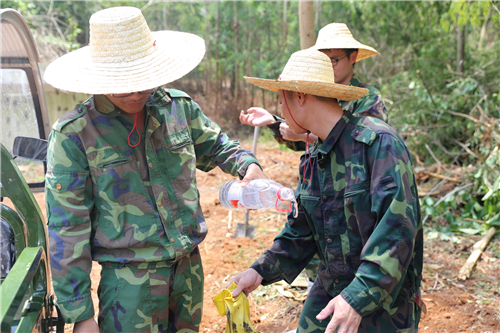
433,235
469,231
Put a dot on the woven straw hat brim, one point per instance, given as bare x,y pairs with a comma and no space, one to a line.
176,54
324,89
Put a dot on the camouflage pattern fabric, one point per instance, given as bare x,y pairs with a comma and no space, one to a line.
370,105
360,214
138,206
7,248
168,299
312,268
404,320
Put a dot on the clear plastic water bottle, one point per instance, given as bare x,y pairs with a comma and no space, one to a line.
258,194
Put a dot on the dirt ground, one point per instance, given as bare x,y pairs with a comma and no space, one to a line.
452,305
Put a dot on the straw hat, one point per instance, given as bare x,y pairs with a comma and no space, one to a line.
310,71
125,56
338,36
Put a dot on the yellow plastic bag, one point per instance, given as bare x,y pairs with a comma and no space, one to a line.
237,311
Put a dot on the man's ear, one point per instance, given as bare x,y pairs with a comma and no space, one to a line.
301,98
353,56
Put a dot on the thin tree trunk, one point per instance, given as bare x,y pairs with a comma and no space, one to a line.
208,67
165,25
217,81
460,49
236,75
482,37
284,23
317,14
306,23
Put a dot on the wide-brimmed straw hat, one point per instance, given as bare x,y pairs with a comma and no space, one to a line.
310,71
338,36
125,56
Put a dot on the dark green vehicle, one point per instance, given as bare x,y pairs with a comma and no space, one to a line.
26,295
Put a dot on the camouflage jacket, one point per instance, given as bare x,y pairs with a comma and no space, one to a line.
360,213
370,105
119,205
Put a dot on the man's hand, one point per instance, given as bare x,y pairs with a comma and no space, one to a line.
86,326
253,172
344,316
246,281
288,134
256,117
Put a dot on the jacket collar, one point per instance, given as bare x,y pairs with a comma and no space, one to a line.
354,82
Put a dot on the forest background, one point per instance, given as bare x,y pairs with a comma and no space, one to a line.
438,72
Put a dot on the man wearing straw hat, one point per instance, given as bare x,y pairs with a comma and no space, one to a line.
121,179
336,41
358,210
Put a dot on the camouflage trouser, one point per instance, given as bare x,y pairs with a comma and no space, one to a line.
168,299
404,320
312,268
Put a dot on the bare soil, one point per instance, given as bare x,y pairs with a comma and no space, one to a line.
452,305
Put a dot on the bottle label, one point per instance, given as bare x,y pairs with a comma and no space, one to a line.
235,195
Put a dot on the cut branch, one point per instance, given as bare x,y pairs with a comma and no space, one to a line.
478,249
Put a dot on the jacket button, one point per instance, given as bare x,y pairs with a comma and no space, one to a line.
155,124
336,281
58,186
150,165
356,132
324,197
159,204
328,240
172,240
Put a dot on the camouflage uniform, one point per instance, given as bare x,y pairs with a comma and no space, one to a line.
134,210
361,215
370,105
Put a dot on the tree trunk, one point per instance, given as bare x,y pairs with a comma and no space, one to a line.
317,14
306,23
236,75
217,31
460,49
284,23
208,67
165,10
482,37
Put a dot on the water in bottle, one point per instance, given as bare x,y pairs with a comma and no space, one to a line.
258,194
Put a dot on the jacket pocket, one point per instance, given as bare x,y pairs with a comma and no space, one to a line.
110,164
357,209
115,173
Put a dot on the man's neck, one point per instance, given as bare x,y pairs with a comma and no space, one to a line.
328,114
347,79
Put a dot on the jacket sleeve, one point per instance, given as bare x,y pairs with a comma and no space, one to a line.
388,252
69,202
293,145
214,148
291,251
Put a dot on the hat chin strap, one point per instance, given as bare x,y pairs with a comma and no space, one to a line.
308,152
135,128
